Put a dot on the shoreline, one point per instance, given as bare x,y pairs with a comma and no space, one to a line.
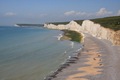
68,62
73,71
94,62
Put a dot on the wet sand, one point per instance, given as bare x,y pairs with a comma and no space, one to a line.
97,61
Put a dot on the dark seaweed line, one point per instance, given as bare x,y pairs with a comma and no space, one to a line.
70,60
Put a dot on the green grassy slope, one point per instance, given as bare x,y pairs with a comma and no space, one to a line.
109,22
73,35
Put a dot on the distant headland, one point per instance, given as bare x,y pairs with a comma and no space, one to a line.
21,25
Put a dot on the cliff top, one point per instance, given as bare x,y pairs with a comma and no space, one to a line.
107,22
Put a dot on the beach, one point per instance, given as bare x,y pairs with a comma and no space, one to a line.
98,60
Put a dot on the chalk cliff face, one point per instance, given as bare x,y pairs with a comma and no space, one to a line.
90,27
98,31
71,26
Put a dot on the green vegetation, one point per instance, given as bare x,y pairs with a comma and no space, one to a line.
73,35
109,22
57,23
64,23
79,21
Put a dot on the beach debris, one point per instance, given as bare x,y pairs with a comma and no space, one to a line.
66,64
70,62
100,64
59,69
79,50
63,66
65,52
48,78
99,55
51,75
94,58
74,57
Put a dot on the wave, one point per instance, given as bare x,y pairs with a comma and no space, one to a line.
59,36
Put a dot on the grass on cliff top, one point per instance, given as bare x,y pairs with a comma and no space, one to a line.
107,22
64,23
57,23
73,35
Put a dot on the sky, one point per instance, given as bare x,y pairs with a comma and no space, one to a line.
42,11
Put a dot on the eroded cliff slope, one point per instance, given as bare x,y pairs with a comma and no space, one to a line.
98,31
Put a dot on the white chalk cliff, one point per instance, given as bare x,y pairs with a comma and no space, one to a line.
71,26
90,27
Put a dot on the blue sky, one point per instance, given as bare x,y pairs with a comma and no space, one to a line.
41,11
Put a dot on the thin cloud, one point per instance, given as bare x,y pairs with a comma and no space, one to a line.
10,14
75,13
103,11
118,13
42,15
36,16
69,13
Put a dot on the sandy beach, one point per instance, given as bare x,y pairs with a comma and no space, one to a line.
99,60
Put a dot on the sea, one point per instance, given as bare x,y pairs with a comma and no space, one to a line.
31,53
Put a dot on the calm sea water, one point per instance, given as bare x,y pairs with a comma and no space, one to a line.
31,53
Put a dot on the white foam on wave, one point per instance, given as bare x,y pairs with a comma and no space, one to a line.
78,50
72,44
59,36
